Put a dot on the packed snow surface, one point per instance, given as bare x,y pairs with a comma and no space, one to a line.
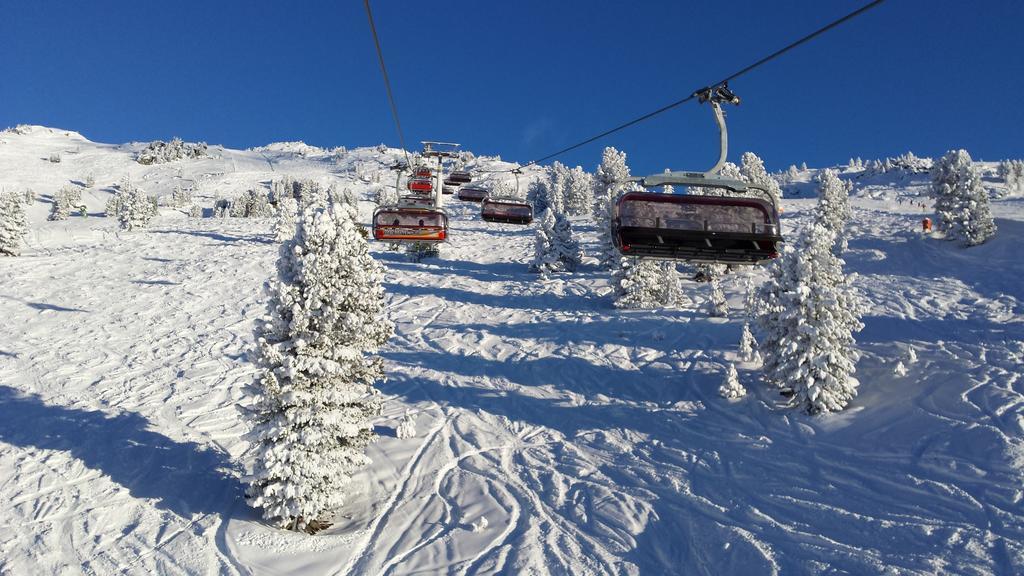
548,432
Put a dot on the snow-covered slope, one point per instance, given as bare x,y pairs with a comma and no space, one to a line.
555,434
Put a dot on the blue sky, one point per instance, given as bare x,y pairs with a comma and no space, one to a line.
522,79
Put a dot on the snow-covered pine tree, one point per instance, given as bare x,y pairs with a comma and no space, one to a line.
61,205
12,224
754,172
609,180
537,194
961,203
579,192
406,428
385,195
311,193
555,247
419,251
342,195
640,284
809,313
181,197
731,387
717,306
833,210
195,211
30,196
287,212
899,369
911,355
315,399
671,287
558,179
134,208
112,204
748,345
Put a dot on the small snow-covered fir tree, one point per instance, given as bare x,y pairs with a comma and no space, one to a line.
833,210
385,196
809,314
112,204
752,168
195,211
717,305
670,284
731,387
63,201
609,180
181,197
30,196
287,212
748,345
961,203
407,427
899,369
555,247
315,403
911,355
134,208
419,251
12,224
640,283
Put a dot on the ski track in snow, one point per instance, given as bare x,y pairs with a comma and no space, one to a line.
556,434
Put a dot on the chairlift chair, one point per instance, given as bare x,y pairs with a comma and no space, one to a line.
446,189
421,185
410,224
422,172
737,227
460,177
472,194
507,210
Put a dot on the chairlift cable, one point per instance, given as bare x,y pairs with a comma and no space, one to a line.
387,81
722,82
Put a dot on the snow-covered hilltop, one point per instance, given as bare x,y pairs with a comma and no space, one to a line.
528,424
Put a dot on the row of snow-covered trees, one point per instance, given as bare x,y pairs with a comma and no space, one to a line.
160,152
903,163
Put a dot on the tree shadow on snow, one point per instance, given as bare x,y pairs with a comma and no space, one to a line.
182,477
218,236
53,307
156,282
538,302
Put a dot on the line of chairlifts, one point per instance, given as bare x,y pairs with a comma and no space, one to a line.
736,228
414,219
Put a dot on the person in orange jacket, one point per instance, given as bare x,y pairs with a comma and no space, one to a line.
926,225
